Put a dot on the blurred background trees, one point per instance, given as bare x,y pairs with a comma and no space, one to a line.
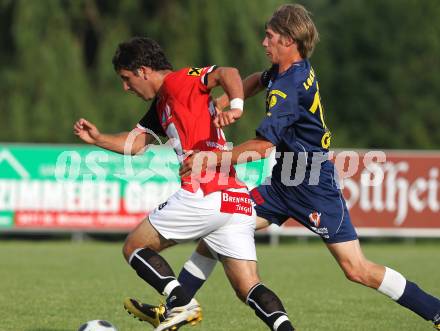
378,63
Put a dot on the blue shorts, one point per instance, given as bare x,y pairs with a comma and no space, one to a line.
320,208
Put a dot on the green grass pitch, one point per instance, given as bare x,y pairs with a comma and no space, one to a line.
57,285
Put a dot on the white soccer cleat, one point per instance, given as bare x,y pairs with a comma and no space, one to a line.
179,316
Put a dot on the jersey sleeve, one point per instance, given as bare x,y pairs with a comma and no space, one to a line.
150,121
204,77
267,75
282,114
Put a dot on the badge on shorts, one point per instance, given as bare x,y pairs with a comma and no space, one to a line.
315,218
236,203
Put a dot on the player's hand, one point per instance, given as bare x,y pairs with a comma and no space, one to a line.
86,131
187,165
197,162
221,102
225,118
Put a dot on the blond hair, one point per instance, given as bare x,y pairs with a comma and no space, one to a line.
293,21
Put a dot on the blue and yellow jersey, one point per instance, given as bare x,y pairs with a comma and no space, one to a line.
294,119
303,184
294,114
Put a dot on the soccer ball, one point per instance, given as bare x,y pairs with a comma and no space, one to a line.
97,325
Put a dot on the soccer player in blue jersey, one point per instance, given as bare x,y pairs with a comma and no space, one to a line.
302,184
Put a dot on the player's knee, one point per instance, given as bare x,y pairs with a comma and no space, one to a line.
242,289
355,273
353,276
365,273
238,290
127,250
204,251
241,293
129,247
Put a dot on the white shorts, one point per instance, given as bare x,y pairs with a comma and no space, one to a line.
224,219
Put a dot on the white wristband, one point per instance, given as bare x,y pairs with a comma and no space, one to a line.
236,103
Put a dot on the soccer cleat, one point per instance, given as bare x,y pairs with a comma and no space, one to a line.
436,321
145,312
179,316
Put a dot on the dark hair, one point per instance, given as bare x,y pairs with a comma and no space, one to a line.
140,51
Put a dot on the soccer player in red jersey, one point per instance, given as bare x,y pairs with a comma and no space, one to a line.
213,206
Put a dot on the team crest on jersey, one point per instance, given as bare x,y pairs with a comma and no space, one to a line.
195,71
272,99
315,218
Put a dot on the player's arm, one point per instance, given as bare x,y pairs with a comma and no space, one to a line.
271,132
257,148
251,85
132,142
229,79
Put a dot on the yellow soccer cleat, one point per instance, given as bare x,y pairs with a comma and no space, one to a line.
145,312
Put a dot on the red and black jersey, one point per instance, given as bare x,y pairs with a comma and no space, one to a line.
183,111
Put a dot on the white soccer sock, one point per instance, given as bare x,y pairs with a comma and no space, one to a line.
200,266
393,284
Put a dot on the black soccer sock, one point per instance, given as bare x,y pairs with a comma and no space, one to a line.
152,268
177,298
269,308
420,302
189,282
